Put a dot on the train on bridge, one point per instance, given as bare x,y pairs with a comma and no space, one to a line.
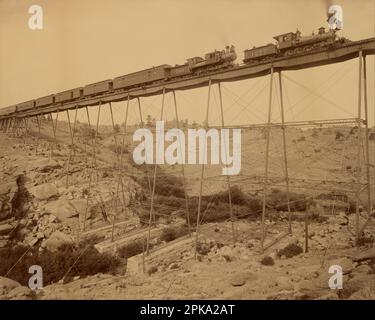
288,44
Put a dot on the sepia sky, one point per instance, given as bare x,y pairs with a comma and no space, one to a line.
85,41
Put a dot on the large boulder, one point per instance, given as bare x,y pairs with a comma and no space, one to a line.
56,240
64,209
44,165
358,282
45,191
5,228
365,255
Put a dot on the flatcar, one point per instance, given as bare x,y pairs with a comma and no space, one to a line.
69,95
94,89
24,106
45,101
143,77
8,110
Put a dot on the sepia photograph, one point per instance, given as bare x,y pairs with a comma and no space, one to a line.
164,150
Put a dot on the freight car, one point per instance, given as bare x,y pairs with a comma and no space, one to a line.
24,106
45,101
293,43
69,95
143,77
98,88
8,110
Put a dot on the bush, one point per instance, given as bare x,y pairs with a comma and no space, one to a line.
290,250
278,200
267,261
132,249
83,259
339,135
171,233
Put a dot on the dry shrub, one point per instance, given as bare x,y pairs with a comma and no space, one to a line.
83,259
267,261
290,250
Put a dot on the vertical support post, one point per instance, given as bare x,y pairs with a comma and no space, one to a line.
117,156
306,231
182,166
26,133
265,183
359,147
151,217
283,128
70,126
37,140
72,147
142,124
93,165
202,173
367,148
122,149
367,138
227,177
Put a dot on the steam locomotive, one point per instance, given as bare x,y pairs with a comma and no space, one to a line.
288,44
293,43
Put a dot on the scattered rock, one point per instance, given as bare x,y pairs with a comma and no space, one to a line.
363,268
62,209
44,165
5,228
345,263
6,285
45,191
365,255
358,282
329,296
363,294
56,240
21,293
239,279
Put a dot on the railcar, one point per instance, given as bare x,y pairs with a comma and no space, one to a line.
98,88
69,95
260,53
179,71
24,106
45,101
143,77
8,110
